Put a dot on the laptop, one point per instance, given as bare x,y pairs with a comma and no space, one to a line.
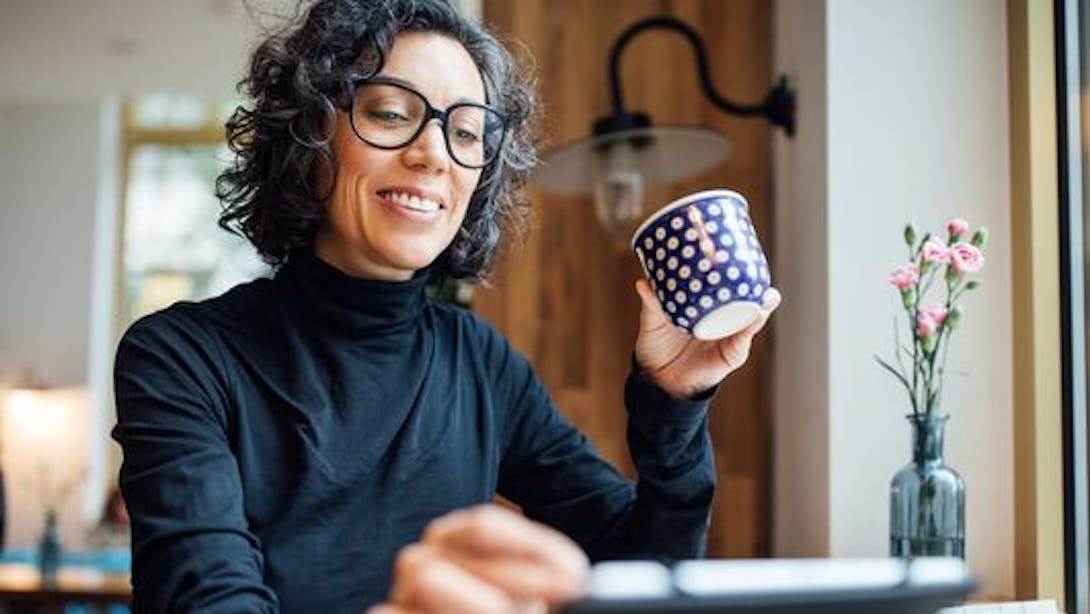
777,586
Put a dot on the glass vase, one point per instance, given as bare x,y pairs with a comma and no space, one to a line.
927,497
49,550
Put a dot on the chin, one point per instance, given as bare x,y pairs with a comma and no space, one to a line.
408,258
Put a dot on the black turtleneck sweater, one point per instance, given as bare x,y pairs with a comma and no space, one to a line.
283,441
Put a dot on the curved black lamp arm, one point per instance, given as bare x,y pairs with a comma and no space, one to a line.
779,102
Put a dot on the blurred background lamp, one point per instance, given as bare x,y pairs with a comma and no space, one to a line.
627,154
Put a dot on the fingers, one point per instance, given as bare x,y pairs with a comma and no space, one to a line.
428,582
524,558
771,299
486,559
387,608
734,349
769,302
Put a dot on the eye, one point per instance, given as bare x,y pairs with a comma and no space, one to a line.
387,116
466,135
466,125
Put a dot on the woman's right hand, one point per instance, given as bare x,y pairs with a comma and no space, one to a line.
484,560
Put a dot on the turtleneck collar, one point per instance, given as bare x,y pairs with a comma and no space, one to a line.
350,304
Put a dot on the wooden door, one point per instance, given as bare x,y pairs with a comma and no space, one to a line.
565,297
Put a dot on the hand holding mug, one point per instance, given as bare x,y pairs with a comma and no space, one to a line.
708,291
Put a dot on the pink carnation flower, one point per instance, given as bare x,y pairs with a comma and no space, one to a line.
966,258
929,319
957,227
935,251
904,276
935,313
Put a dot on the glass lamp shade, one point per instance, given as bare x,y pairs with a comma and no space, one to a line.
618,168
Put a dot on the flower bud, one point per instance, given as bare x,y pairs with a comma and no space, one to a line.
972,285
928,342
956,228
979,237
951,275
954,317
908,297
910,235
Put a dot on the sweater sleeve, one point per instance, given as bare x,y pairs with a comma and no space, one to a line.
192,550
552,471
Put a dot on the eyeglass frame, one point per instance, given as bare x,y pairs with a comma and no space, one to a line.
431,112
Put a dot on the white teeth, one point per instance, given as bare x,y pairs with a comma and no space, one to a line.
411,201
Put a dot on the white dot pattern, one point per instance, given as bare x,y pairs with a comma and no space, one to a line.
701,256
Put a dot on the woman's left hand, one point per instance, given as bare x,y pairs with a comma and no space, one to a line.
681,364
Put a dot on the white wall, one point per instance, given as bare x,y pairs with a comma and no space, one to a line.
56,272
80,50
915,129
74,50
47,202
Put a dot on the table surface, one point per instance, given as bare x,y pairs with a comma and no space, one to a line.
21,582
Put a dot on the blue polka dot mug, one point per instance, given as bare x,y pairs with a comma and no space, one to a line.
704,261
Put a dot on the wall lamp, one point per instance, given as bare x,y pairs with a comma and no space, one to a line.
627,152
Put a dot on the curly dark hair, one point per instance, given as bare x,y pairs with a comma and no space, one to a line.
296,78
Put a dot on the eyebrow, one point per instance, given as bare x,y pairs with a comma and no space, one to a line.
383,78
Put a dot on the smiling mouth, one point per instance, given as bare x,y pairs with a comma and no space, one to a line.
411,201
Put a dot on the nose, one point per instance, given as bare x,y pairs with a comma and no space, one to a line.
428,151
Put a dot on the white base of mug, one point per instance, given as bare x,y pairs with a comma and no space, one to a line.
726,320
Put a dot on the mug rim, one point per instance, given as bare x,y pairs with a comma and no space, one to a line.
681,202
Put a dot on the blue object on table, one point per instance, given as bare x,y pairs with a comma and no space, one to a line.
49,550
110,560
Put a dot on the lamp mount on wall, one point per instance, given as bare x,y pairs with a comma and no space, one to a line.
627,152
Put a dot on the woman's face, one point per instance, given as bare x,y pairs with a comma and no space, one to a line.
392,212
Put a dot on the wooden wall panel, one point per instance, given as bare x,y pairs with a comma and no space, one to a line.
565,296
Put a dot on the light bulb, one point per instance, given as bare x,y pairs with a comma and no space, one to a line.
618,187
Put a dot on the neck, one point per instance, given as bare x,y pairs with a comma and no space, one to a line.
353,263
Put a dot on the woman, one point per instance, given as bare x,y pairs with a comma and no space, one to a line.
284,441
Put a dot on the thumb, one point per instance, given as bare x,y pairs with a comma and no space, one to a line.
646,294
651,314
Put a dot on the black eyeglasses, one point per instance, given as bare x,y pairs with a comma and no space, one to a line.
391,115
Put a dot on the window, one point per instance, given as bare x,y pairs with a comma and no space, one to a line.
172,246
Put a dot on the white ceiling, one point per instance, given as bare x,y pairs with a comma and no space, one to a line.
58,50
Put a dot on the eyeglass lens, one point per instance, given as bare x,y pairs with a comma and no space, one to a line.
391,116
